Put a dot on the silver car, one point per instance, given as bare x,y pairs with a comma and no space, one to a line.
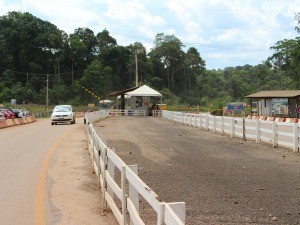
62,114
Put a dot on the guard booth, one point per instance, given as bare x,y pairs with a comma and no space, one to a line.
284,103
141,98
144,98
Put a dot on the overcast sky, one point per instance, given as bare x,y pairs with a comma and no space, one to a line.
225,32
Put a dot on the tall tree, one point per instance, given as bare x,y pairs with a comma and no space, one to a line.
194,67
25,39
168,49
87,44
286,59
98,79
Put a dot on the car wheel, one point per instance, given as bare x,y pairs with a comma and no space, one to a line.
52,123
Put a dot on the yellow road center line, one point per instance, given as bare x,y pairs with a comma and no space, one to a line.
40,212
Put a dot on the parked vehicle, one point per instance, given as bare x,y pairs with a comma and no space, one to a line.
6,115
62,114
2,116
9,114
18,113
25,112
12,110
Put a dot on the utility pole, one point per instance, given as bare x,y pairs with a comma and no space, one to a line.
136,69
47,91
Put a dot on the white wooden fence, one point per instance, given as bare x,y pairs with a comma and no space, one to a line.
118,112
123,195
276,133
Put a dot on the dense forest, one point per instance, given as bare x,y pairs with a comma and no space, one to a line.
35,56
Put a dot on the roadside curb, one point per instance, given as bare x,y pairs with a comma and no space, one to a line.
17,121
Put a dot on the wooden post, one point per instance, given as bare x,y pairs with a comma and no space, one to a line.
244,129
133,193
222,125
214,124
124,197
296,137
257,131
232,127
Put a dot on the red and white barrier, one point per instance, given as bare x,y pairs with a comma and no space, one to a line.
16,121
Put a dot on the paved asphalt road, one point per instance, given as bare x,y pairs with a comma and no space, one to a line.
23,150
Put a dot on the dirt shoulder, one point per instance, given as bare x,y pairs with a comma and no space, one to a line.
75,196
223,180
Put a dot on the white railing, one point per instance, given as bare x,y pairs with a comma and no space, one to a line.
122,188
91,117
276,133
118,112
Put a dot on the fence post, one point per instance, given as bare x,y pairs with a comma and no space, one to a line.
104,205
111,171
296,137
178,208
232,127
206,123
274,134
214,124
222,124
200,122
133,193
257,131
244,129
124,197
160,214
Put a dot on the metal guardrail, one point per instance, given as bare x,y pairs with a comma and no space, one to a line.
129,188
276,133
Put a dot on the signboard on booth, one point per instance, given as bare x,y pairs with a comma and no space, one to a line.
235,106
280,106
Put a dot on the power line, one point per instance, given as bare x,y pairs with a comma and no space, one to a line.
38,74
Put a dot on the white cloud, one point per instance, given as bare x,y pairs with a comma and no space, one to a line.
216,27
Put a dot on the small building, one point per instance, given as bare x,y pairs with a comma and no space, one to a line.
284,103
139,98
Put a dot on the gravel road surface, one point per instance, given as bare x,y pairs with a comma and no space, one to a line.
223,180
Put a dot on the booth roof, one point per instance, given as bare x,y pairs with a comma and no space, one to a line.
117,93
144,91
275,94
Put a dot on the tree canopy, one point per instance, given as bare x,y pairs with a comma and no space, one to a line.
32,49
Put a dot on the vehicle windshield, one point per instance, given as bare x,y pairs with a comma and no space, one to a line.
62,109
